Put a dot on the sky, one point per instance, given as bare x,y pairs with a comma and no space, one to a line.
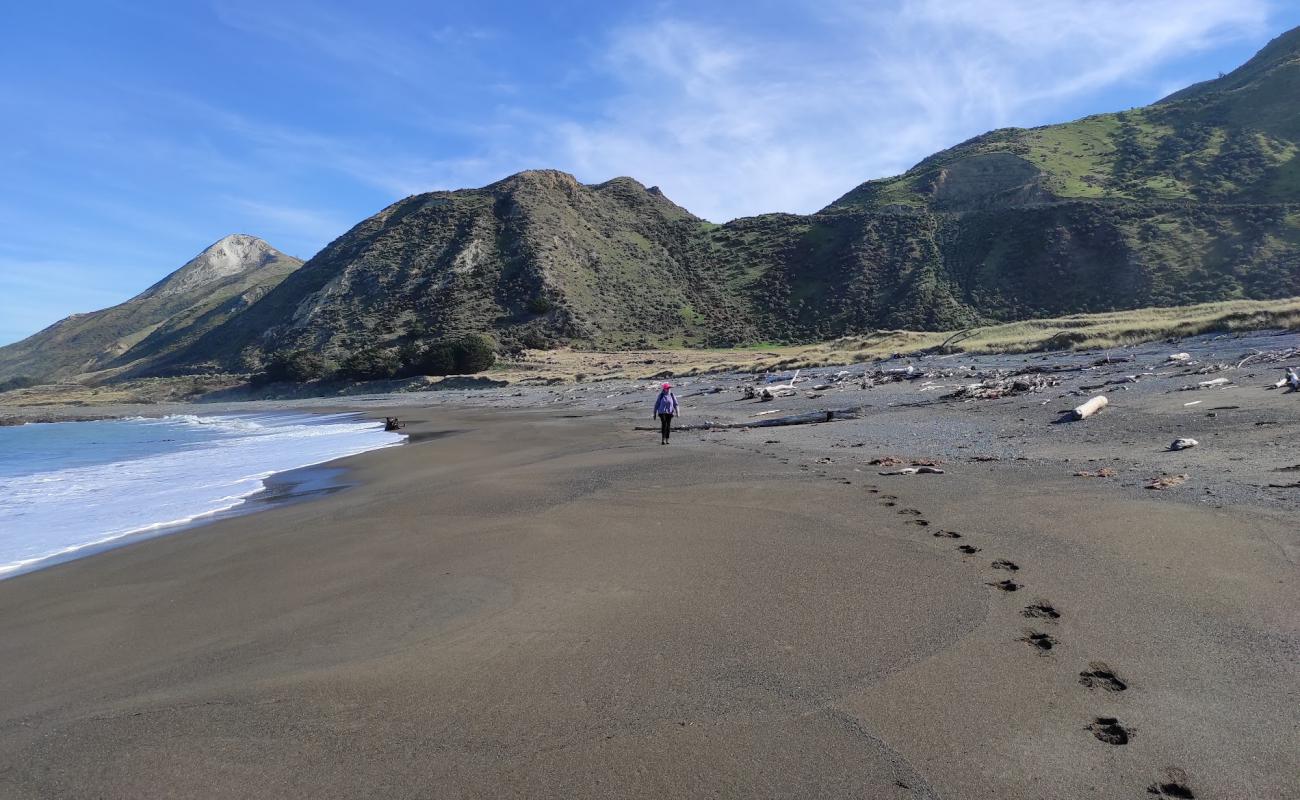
135,134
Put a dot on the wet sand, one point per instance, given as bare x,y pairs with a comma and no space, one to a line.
546,604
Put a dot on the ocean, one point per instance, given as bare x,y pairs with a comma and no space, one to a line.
69,487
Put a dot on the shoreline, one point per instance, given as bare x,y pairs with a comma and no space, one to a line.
543,602
281,487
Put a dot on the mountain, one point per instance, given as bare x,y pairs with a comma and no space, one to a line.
1192,199
537,257
212,288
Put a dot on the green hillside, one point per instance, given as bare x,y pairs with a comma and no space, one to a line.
1193,199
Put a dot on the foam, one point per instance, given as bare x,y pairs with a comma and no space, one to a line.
171,471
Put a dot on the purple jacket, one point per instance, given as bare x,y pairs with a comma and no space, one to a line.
666,404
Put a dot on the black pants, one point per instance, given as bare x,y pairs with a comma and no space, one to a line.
666,420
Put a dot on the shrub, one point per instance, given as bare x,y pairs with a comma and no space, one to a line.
295,366
463,355
17,382
474,353
536,340
369,364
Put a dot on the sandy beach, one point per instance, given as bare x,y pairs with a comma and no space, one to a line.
544,602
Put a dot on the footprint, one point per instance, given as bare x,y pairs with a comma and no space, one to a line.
1108,730
1006,586
924,523
1042,641
889,504
1172,784
1100,676
968,549
911,512
1009,566
889,496
1042,610
874,491
948,534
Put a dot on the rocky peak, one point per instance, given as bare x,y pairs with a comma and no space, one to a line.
226,258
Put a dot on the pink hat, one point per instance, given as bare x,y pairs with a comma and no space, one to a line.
668,386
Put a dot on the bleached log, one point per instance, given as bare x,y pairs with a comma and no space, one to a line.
1091,407
809,418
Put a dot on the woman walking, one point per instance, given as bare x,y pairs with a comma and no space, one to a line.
665,410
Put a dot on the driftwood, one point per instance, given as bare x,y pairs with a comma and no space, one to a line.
1183,444
809,418
1166,482
994,388
393,424
915,471
1091,407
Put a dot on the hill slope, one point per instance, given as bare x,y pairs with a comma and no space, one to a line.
1193,199
210,289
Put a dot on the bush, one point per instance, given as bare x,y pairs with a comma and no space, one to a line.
462,355
369,364
536,340
474,353
17,382
296,366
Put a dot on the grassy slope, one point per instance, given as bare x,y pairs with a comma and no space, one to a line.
1078,332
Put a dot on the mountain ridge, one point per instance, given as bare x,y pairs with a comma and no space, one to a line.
226,277
1195,198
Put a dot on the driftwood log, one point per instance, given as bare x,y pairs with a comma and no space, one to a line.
1091,407
809,418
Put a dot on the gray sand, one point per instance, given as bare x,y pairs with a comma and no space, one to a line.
545,603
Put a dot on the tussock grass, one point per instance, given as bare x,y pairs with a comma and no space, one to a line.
1075,332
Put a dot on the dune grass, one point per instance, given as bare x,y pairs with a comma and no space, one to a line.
1076,332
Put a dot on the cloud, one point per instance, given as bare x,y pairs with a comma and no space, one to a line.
730,123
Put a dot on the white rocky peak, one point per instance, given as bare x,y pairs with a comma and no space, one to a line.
228,257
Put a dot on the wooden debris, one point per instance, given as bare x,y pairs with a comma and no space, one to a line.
1091,407
1183,444
1104,472
885,461
1179,358
995,387
915,471
809,418
393,424
1167,482
1214,384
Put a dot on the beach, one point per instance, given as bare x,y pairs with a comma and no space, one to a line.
533,599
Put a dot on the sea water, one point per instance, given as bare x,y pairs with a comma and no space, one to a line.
75,486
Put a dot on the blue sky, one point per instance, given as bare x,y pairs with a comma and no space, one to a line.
137,133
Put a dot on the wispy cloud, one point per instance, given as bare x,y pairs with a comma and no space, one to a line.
732,124
291,221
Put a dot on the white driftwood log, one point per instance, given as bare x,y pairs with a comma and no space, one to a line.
1091,407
